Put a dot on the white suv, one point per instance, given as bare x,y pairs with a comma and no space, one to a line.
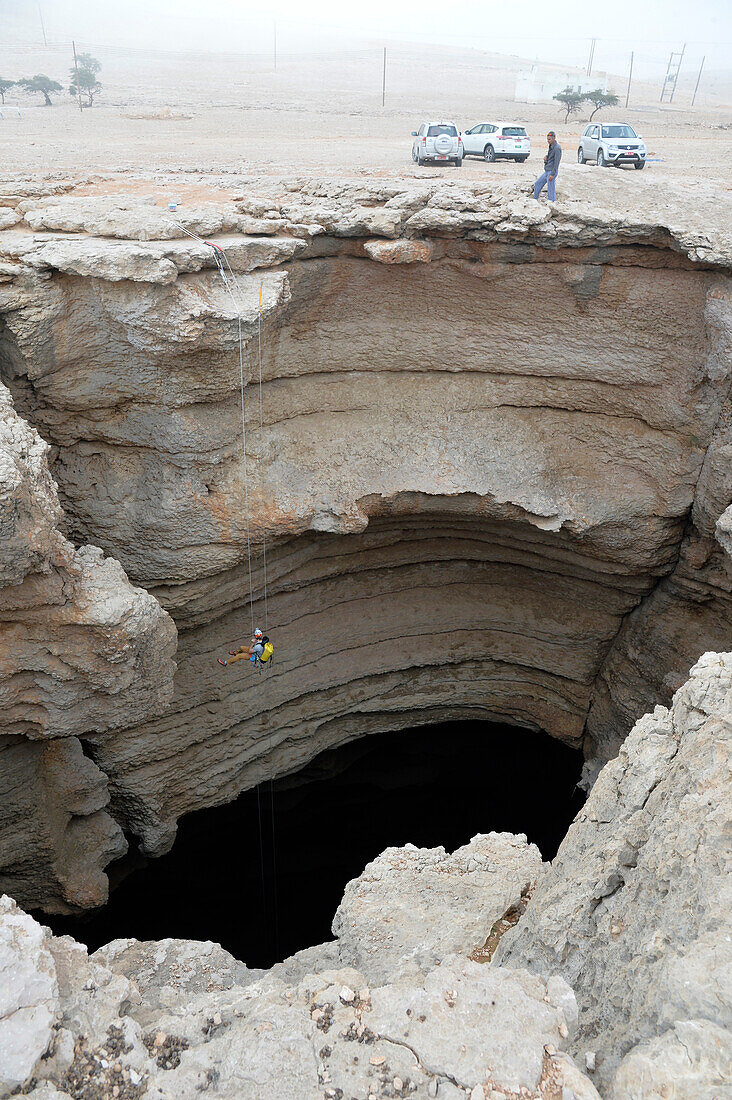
438,142
497,141
612,143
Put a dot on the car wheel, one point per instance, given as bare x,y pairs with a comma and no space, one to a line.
489,153
420,162
458,162
601,162
581,156
639,164
414,155
520,160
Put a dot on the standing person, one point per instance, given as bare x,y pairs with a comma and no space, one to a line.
551,168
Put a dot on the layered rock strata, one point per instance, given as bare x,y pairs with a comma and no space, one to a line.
635,912
81,650
490,456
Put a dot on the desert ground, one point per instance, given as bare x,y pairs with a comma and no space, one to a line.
163,113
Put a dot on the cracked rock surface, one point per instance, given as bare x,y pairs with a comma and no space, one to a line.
399,915
175,1020
634,912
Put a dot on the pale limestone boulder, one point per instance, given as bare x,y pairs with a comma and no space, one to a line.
461,1027
103,260
723,530
411,907
29,1001
172,975
690,1061
501,1019
634,913
399,252
128,217
8,217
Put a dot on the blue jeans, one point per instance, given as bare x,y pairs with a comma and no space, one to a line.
551,186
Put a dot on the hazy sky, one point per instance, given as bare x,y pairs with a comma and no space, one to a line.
530,28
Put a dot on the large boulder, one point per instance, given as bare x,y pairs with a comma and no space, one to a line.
413,906
28,996
634,913
173,1020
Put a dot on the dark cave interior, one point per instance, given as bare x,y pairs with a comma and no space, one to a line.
264,875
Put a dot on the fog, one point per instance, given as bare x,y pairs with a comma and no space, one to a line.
531,29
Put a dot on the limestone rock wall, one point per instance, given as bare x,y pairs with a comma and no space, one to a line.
634,913
615,975
492,456
176,1019
81,650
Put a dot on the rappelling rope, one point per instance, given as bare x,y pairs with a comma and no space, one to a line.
230,282
221,258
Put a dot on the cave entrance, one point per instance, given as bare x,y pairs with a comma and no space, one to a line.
433,785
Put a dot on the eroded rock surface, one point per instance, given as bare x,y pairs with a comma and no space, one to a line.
400,914
482,418
81,650
176,1019
635,912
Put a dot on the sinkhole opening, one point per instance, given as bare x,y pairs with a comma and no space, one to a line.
263,875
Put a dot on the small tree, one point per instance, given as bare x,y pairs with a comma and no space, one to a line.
600,99
42,84
571,101
88,85
4,85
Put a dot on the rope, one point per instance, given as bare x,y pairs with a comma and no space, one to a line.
230,282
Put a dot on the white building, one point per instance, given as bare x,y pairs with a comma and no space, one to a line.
543,84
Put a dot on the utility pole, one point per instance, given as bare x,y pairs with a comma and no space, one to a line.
274,42
591,57
630,77
78,85
43,26
696,89
672,74
383,81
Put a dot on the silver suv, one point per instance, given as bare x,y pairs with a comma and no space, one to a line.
612,143
439,142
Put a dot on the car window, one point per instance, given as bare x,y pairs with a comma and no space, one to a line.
514,131
595,131
423,129
618,132
442,128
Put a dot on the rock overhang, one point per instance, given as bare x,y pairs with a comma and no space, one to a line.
499,431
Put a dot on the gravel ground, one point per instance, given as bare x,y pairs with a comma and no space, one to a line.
323,116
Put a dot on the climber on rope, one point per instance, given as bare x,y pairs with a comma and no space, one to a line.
259,651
